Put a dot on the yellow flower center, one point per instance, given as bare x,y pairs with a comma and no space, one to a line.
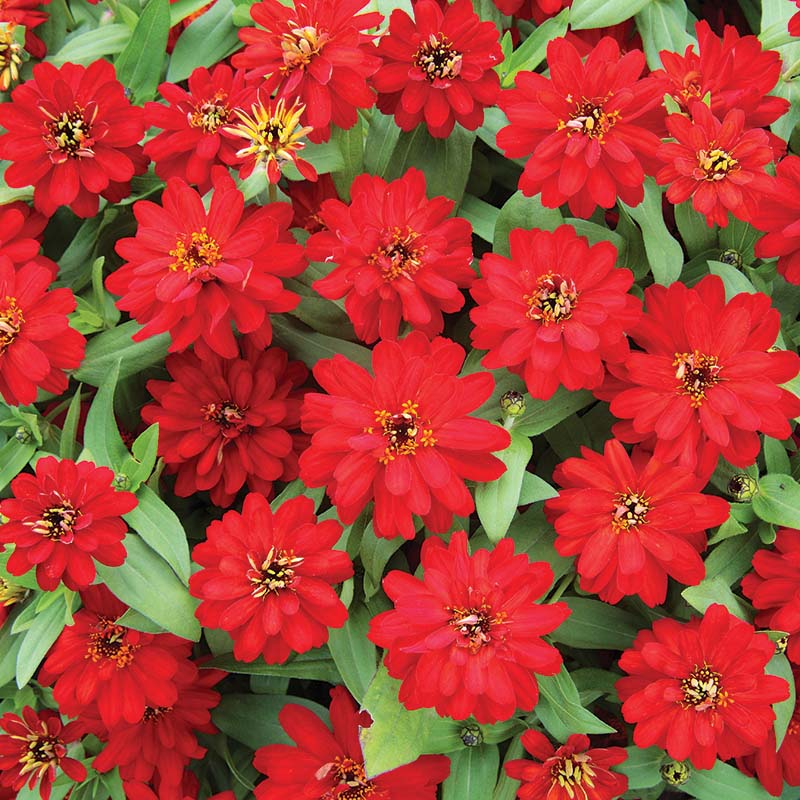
11,322
300,45
570,773
589,118
211,114
438,59
399,256
702,689
630,511
714,164
69,135
475,626
273,573
58,522
107,641
696,373
553,300
199,253
402,432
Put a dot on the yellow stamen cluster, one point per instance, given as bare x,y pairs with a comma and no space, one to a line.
273,573
107,641
57,522
630,511
696,373
201,252
344,770
553,300
211,114
10,593
300,45
401,432
714,164
589,118
475,625
438,59
11,56
399,256
572,774
702,689
69,135
11,322
43,751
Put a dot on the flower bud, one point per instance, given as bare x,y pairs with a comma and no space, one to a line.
23,435
471,735
742,487
732,257
675,773
121,481
512,403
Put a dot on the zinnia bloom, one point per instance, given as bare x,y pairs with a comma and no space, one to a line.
327,763
193,272
21,232
316,51
36,341
402,437
590,129
698,689
398,256
33,748
73,135
633,522
554,311
794,21
62,518
438,67
720,165
466,639
538,10
268,578
707,380
227,422
573,770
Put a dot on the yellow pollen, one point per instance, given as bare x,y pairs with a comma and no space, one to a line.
696,373
572,773
10,56
402,432
58,522
350,776
399,256
201,253
589,118
11,593
211,114
629,511
714,164
107,641
702,689
476,626
300,45
272,573
553,300
69,135
438,59
11,322
154,714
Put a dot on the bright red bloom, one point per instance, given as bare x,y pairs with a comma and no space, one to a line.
193,272
438,67
794,21
633,522
466,639
21,232
573,769
316,51
720,165
61,519
774,588
397,255
327,764
698,688
192,142
402,437
73,135
29,14
307,198
33,747
36,341
538,10
705,383
590,129
554,311
109,669
625,34
268,578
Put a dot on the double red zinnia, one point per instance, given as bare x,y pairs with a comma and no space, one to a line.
21,231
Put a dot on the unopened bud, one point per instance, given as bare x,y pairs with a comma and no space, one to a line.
781,645
742,487
675,773
122,481
471,736
512,403
23,435
732,257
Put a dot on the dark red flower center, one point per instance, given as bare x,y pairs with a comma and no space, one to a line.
402,432
571,772
58,522
352,782
11,322
438,59
70,134
155,713
273,573
630,511
107,641
702,689
197,255
714,164
40,753
696,373
230,417
212,114
399,255
553,300
300,45
589,118
476,626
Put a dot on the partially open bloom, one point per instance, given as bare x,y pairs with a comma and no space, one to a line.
573,770
315,51
193,272
698,689
61,519
402,437
73,135
397,256
327,763
29,14
466,639
438,68
268,578
555,311
36,341
33,748
11,57
632,522
720,165
591,129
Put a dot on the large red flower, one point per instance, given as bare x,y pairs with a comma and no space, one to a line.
590,129
29,14
268,578
633,522
193,272
36,341
316,51
707,380
62,518
398,256
538,10
402,437
326,764
21,232
466,639
573,770
554,311
73,135
438,67
227,422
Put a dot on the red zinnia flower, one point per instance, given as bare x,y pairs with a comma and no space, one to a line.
720,165
625,34
73,135
705,383
327,763
538,10
633,522
794,21
36,341
98,664
224,422
572,770
29,14
466,639
398,256
698,688
193,272
62,518
774,588
191,142
403,437
554,311
268,578
316,51
21,231
33,747
590,129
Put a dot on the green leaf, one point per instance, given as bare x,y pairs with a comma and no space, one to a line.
9,648
351,146
603,13
375,554
731,559
473,772
101,434
535,489
642,767
139,622
45,629
778,500
13,457
138,467
181,9
523,212
531,53
67,447
481,215
295,489
696,235
84,48
542,415
506,788
382,137
316,665
776,457
723,781
662,25
735,282
779,665
594,625
310,346
139,64
715,590
354,655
